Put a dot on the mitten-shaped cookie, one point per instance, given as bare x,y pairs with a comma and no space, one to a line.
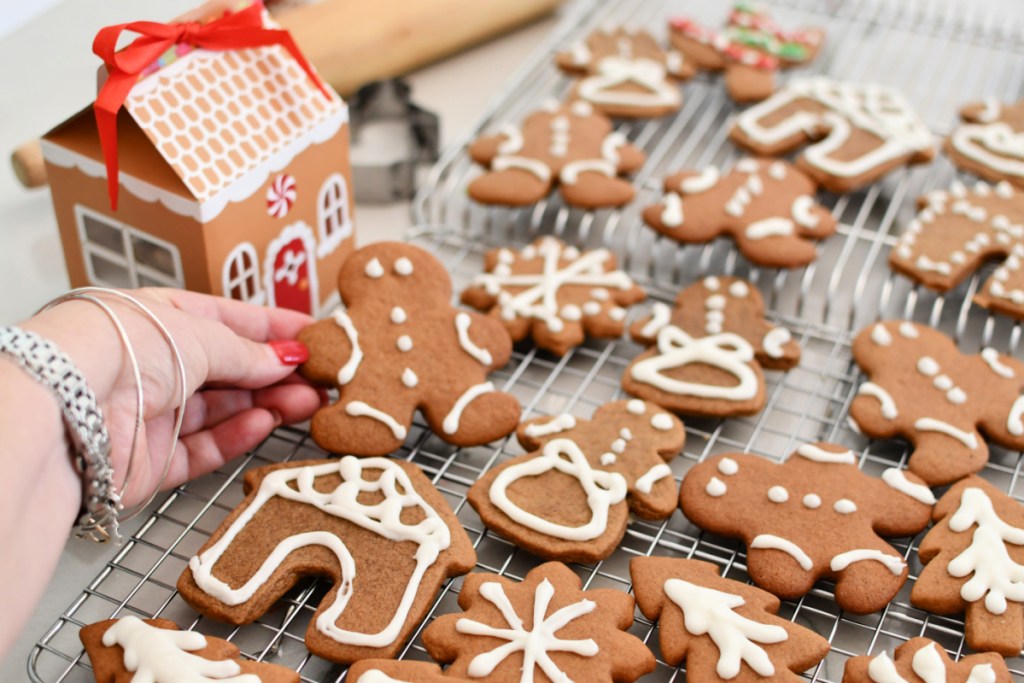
767,206
403,671
990,142
924,389
569,498
376,527
624,72
921,660
544,628
974,557
724,629
554,293
570,145
399,345
707,352
811,517
858,132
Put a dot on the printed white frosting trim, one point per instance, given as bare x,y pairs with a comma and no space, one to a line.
995,145
711,612
361,409
614,71
462,323
677,349
770,542
881,669
1014,425
812,452
652,476
888,404
536,167
930,424
555,425
451,420
431,535
348,370
774,340
991,358
535,644
893,563
896,479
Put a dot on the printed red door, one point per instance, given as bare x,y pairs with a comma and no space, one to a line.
291,270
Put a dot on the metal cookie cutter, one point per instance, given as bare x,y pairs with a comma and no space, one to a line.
391,139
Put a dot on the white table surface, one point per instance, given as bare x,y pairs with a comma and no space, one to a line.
49,73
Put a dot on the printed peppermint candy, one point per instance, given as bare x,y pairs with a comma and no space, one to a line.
399,671
707,352
554,293
375,527
131,649
957,231
859,132
544,628
570,497
623,72
281,196
990,142
724,630
397,346
921,660
780,511
570,145
921,387
767,206
974,557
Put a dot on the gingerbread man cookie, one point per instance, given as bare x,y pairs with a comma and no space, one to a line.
956,231
399,671
858,132
990,142
130,649
376,527
751,49
724,629
624,72
707,353
569,498
398,346
974,557
767,206
544,628
922,660
781,510
554,293
571,145
921,387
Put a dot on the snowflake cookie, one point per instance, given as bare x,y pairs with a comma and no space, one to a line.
554,293
724,629
624,72
990,142
974,557
375,527
780,511
707,353
544,628
858,133
570,497
767,206
957,231
921,387
397,346
922,660
568,144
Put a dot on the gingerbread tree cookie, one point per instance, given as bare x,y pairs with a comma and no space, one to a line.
921,387
707,352
975,564
624,72
751,49
376,527
399,345
570,145
858,132
554,293
955,232
132,649
780,510
399,671
921,660
569,498
767,206
544,628
990,142
724,629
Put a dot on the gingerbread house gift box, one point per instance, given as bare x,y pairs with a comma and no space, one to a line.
230,164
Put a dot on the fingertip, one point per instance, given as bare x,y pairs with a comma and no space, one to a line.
290,351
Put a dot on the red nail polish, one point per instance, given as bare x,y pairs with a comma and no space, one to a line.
290,351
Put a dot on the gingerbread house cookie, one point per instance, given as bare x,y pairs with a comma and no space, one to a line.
990,141
922,660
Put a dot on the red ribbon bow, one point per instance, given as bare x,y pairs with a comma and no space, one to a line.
242,29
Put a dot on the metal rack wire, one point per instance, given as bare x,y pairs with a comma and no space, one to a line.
937,57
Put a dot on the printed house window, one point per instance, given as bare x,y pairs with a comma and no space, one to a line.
335,223
242,275
118,255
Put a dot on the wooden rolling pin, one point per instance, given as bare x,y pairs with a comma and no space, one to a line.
354,42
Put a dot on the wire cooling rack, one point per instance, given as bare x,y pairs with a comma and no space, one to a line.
939,58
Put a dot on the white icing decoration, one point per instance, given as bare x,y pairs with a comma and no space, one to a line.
982,673
404,343
378,676
802,212
636,406
626,434
513,142
348,370
908,330
844,506
614,71
608,459
927,663
555,425
403,266
739,289
700,183
888,404
677,349
672,213
462,323
926,365
778,494
991,358
995,145
569,175
728,466
661,315
373,268
716,487
812,452
662,422
930,424
771,542
451,420
398,315
896,479
559,136
712,283
812,501
769,227
409,378
880,335
618,446
774,340
893,563
881,669
361,409
1014,425
652,476
533,166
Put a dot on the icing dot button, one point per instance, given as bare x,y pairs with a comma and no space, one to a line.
778,494
812,501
